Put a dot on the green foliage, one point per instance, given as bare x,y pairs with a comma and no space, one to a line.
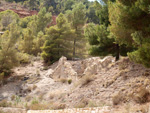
98,37
7,17
23,22
130,25
77,23
8,53
58,42
26,44
91,14
32,4
33,32
38,43
23,58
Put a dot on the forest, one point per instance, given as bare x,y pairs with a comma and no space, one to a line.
100,28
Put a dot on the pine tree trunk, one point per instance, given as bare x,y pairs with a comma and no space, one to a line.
117,52
74,48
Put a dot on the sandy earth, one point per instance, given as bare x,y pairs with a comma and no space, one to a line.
35,80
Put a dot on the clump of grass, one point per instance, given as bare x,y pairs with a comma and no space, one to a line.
28,98
117,98
57,106
38,106
5,103
146,73
92,104
45,68
34,87
86,79
63,80
141,95
34,101
69,81
13,97
82,104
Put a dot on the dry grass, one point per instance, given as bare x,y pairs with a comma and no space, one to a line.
57,105
5,103
63,80
28,98
13,97
141,95
122,73
82,104
34,87
86,79
56,95
92,104
38,106
117,98
41,96
146,73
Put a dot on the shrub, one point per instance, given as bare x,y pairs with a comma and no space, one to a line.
69,81
34,101
86,79
13,97
38,106
5,103
28,98
117,98
34,87
63,80
24,58
142,95
57,106
83,103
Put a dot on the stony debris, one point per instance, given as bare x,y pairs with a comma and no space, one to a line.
64,70
105,109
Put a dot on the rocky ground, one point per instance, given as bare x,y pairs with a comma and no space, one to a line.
92,82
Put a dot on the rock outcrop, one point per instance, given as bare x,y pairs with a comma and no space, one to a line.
64,70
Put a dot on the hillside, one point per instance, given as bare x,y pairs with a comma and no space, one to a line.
74,56
92,82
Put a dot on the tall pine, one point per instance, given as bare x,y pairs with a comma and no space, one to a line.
77,18
58,40
131,26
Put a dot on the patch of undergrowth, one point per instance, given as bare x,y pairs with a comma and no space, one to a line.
82,103
86,79
5,103
141,95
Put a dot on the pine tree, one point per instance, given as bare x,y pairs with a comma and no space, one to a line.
38,43
43,19
26,45
8,53
100,38
130,25
7,17
58,42
33,32
77,18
